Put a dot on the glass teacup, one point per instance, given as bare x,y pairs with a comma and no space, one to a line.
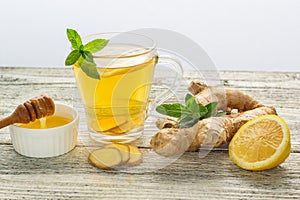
116,105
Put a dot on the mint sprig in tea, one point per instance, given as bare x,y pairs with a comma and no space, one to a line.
81,55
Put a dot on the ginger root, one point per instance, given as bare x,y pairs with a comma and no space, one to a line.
209,132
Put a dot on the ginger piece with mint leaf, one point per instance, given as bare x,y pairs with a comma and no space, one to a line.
216,126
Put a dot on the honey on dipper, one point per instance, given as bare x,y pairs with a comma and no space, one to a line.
36,113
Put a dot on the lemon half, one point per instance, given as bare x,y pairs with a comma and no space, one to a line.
261,143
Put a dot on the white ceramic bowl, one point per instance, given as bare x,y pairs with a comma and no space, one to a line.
42,143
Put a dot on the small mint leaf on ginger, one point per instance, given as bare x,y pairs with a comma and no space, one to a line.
211,108
189,100
172,110
190,113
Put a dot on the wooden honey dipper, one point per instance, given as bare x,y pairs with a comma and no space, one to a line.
31,110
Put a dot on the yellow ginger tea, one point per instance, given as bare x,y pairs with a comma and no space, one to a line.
47,122
116,103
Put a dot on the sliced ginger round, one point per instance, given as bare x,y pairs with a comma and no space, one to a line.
135,156
124,150
105,158
261,143
114,155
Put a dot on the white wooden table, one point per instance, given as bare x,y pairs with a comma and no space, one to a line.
70,176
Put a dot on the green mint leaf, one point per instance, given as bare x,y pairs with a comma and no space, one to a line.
173,110
202,110
95,45
88,56
187,121
90,69
188,97
190,100
74,38
191,113
211,108
196,109
72,57
80,60
81,49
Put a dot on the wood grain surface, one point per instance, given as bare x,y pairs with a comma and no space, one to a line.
190,176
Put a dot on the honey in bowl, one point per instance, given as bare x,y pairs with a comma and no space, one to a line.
47,122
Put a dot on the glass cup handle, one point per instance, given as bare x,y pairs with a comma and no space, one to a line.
175,65
171,88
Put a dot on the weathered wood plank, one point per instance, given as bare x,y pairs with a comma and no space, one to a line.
189,177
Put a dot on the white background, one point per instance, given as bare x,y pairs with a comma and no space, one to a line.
236,34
